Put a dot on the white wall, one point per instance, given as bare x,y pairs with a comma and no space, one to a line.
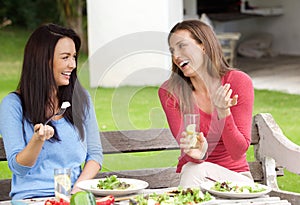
128,40
285,28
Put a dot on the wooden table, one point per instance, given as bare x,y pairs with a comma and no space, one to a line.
256,201
264,200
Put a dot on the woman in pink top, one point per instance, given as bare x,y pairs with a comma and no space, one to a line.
202,82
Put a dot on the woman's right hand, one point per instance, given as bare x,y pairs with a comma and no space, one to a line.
43,132
29,155
197,152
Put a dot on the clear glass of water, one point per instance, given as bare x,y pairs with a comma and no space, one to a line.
192,128
62,183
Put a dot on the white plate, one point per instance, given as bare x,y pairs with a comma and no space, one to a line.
91,185
171,192
209,184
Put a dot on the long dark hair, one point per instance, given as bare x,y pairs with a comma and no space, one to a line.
37,85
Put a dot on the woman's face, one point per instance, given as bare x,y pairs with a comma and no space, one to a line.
64,61
187,54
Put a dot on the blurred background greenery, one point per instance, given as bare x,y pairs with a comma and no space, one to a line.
29,14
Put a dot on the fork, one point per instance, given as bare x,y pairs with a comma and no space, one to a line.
61,111
211,179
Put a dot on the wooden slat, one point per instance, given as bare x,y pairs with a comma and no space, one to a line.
138,141
167,177
2,151
254,133
129,141
5,189
163,175
134,141
279,171
256,171
256,201
292,197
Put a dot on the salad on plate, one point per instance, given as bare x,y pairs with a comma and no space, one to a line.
179,196
231,189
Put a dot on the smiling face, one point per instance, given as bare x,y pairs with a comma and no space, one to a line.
64,61
186,52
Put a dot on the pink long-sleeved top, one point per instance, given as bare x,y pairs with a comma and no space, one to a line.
228,139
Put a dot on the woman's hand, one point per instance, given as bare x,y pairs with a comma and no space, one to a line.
222,100
43,132
197,152
29,155
90,170
75,190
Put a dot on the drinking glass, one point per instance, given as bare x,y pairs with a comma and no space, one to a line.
192,128
62,183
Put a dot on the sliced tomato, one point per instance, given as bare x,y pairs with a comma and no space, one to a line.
54,202
108,200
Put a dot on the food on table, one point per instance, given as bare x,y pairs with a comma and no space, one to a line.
227,186
108,200
54,202
179,197
83,198
112,183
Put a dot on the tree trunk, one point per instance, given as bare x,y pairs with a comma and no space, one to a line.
72,15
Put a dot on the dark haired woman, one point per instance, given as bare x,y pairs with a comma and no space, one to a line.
202,82
33,150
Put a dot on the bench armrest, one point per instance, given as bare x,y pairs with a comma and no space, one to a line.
273,143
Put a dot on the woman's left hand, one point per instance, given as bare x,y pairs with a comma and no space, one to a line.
222,100
75,190
197,152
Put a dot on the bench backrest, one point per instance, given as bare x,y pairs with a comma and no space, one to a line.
142,141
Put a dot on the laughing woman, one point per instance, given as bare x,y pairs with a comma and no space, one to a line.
202,82
33,149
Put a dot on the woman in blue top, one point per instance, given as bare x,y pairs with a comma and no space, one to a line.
33,150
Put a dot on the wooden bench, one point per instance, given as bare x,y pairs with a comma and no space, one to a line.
271,149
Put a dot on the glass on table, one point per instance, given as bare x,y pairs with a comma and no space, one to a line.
192,128
62,183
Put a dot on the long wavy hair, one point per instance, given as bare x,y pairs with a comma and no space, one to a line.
216,64
37,84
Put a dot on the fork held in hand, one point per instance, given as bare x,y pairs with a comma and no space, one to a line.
61,111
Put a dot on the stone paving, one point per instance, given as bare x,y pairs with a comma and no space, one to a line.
281,73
